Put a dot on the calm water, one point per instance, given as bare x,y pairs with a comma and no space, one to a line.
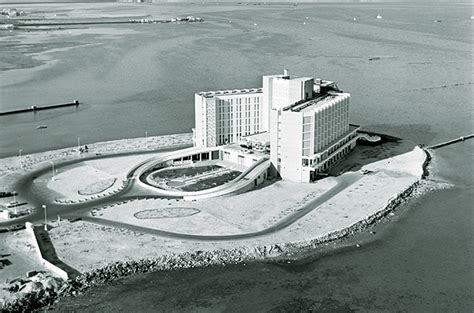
139,78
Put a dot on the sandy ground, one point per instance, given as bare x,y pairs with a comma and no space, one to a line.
247,212
70,180
87,172
86,245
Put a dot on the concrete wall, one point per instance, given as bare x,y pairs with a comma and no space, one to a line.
291,145
289,91
274,141
199,135
58,271
239,157
267,96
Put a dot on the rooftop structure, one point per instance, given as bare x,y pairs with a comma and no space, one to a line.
211,94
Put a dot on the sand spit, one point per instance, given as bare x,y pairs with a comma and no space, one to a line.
123,252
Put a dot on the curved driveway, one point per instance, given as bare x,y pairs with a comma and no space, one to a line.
347,181
25,183
81,210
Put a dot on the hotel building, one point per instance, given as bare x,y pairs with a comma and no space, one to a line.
224,117
304,121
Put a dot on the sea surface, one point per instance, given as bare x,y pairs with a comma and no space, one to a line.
410,76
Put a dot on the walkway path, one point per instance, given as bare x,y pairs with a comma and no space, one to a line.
345,181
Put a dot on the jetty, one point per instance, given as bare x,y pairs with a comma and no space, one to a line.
35,108
449,142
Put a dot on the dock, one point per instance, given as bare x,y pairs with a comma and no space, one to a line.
450,142
35,108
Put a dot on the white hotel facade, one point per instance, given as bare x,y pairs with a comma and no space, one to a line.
305,123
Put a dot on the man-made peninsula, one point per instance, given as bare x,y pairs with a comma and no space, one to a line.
104,233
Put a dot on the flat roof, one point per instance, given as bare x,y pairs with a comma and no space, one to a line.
323,83
262,137
236,147
317,102
230,92
294,78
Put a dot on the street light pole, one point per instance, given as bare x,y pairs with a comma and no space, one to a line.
52,165
14,201
78,144
45,218
21,163
146,140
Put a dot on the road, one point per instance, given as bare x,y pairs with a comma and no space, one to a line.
133,191
24,187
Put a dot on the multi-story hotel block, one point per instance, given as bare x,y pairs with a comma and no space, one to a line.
224,117
305,122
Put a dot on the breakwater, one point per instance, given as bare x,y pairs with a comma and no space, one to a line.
35,108
450,142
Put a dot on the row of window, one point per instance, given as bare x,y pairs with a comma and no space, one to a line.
238,101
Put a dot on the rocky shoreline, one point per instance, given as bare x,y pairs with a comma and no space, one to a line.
222,257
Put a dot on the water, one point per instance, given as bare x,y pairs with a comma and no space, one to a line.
139,78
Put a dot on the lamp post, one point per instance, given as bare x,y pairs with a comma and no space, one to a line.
146,140
14,200
52,170
45,218
19,153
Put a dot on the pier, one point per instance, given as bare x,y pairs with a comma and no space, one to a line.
35,108
447,143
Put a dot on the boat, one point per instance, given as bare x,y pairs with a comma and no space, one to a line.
41,126
379,16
